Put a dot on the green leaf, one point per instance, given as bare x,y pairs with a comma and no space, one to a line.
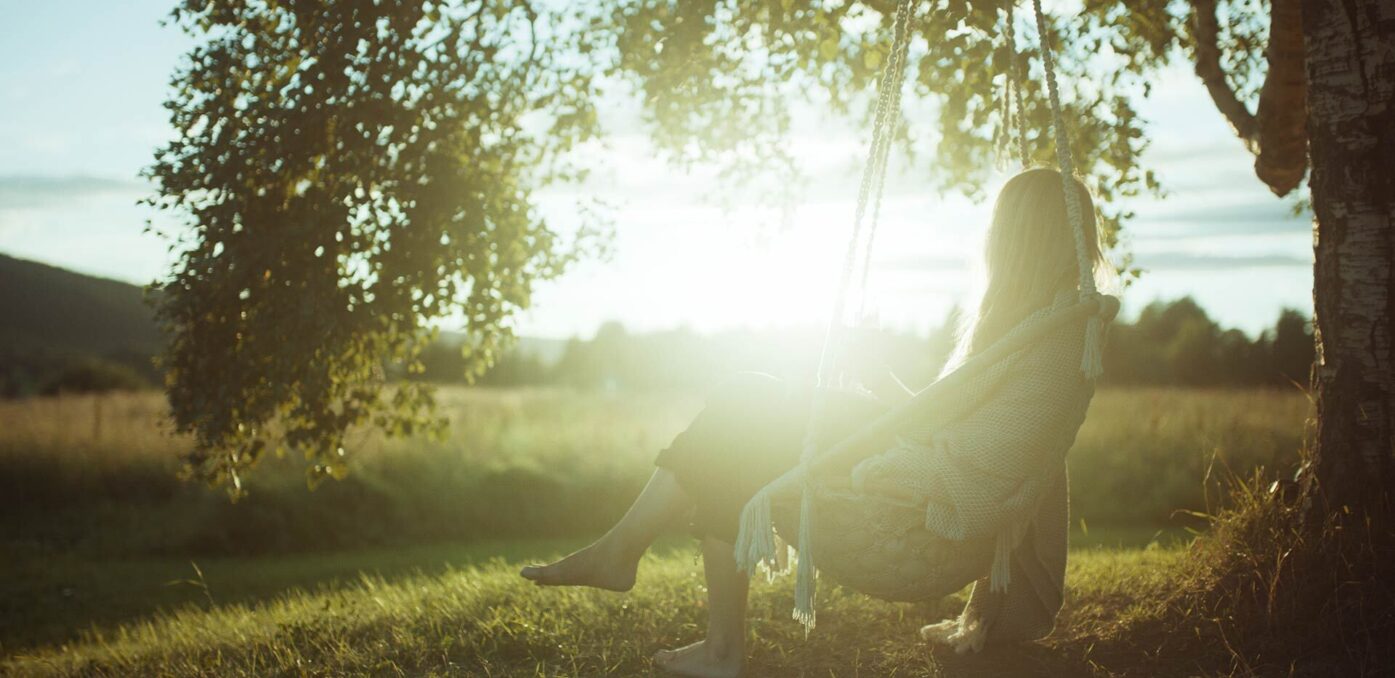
828,49
872,59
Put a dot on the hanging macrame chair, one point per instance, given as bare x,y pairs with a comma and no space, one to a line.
873,538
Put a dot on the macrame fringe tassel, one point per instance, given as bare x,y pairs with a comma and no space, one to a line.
804,573
755,538
1000,575
1092,360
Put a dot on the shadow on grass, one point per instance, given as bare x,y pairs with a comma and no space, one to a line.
47,599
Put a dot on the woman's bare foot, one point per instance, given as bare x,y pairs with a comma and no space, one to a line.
703,659
597,566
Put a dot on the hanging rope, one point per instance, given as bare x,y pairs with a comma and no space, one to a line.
755,543
890,93
1091,362
1016,78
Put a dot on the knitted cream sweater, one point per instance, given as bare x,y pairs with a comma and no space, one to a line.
992,463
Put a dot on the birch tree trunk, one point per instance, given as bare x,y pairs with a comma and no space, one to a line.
1350,46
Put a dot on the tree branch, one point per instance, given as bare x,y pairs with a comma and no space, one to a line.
1277,135
1283,111
1205,33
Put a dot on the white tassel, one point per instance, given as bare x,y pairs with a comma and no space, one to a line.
784,557
1092,358
804,573
755,538
1001,573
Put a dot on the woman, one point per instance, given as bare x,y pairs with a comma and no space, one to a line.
752,428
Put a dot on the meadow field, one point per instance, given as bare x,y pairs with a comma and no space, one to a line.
115,566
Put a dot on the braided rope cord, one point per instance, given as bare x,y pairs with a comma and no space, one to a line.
1016,78
893,81
1074,212
1090,361
1004,142
871,189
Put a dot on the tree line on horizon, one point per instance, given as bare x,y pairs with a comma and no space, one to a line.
1171,343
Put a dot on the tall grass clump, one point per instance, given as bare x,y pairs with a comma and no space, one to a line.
1278,586
101,474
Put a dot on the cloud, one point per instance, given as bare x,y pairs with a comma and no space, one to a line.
1261,217
1208,262
1171,151
1171,231
27,192
1239,212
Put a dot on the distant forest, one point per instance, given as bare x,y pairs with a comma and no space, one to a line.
65,332
1170,344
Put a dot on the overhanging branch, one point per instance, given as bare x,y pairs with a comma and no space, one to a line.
1283,114
1206,35
1276,135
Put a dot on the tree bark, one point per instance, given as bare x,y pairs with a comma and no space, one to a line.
1350,48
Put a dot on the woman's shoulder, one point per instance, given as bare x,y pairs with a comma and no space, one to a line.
1062,301
1060,347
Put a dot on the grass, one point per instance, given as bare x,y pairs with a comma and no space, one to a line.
408,565
99,475
517,464
1281,588
482,619
55,599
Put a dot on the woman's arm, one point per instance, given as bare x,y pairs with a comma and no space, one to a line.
886,387
862,359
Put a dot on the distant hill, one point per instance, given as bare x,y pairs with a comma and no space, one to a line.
53,320
47,308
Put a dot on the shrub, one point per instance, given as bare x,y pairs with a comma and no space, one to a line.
94,375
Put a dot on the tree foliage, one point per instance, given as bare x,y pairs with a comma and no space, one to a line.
727,74
349,171
353,171
1176,343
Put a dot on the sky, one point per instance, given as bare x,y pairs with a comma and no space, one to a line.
81,89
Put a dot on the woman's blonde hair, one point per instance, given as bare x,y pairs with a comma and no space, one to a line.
1029,256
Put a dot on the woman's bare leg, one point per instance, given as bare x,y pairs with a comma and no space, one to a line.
723,653
612,561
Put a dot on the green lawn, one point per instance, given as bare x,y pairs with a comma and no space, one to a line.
408,566
49,599
463,610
